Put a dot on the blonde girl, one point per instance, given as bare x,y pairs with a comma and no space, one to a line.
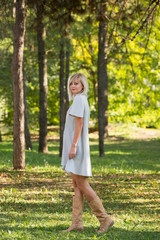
76,155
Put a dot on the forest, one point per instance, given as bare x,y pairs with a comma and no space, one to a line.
71,45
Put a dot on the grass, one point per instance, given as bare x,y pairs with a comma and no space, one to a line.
36,203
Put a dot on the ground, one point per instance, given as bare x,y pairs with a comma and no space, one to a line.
36,203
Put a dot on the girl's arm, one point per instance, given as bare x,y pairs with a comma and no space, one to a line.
77,134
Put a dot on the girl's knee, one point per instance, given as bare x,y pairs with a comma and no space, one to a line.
81,183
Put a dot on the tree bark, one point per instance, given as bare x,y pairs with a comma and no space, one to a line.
0,137
43,84
102,86
18,98
27,132
92,73
61,94
67,75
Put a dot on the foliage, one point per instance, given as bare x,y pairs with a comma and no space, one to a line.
6,107
134,85
36,203
133,66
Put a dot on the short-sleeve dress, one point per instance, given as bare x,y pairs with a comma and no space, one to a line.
80,164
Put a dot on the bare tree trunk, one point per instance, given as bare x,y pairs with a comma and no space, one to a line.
102,85
18,98
27,133
43,84
61,94
67,75
92,73
0,137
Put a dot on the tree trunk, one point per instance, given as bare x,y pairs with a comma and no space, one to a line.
61,94
102,86
91,71
18,98
43,84
0,137
67,75
27,133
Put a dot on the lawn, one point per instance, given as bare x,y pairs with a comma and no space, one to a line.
36,203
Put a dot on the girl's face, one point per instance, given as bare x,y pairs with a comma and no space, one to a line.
76,86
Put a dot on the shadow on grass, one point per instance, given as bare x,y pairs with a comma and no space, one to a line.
122,155
119,192
128,155
28,192
45,207
88,233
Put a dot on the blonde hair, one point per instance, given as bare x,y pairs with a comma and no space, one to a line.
82,79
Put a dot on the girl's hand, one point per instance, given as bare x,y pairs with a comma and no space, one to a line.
72,152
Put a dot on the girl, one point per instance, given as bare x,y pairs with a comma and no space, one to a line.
76,155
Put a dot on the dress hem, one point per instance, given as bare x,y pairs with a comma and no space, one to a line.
63,168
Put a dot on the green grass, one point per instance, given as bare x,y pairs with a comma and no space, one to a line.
36,203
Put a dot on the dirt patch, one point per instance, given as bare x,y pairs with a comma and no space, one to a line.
142,133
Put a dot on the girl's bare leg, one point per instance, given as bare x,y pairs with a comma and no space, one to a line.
81,186
77,191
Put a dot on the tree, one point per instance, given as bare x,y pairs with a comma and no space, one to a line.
0,137
61,92
102,79
26,121
64,74
64,70
66,106
43,83
114,18
18,95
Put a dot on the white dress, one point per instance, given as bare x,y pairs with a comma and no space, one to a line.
80,164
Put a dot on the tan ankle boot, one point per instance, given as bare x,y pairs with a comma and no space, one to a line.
77,209
105,221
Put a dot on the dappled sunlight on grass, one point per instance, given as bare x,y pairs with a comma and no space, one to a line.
36,203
